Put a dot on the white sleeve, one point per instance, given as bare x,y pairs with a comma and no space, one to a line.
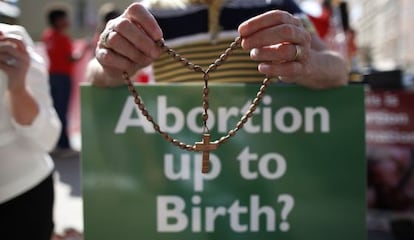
45,128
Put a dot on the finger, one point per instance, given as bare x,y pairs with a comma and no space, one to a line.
117,43
277,34
8,55
4,57
14,41
6,68
280,53
288,70
111,59
266,20
10,51
141,16
133,36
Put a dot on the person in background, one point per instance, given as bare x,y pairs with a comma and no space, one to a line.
279,43
106,12
29,129
322,22
62,57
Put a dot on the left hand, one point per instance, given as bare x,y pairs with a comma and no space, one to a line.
280,43
14,61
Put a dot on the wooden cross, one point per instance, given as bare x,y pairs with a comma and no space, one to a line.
206,147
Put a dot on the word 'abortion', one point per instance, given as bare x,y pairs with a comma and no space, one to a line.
266,118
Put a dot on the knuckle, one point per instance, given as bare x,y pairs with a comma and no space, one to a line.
307,37
135,8
113,40
123,25
279,15
111,22
275,14
103,56
297,20
288,31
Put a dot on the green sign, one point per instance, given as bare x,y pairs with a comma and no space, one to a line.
296,171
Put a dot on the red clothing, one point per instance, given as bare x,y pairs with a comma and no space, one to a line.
59,49
322,23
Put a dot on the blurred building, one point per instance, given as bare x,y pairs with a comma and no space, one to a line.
384,32
83,14
383,27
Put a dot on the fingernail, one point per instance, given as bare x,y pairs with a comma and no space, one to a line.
254,52
264,68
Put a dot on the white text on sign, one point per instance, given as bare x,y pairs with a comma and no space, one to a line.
173,120
172,217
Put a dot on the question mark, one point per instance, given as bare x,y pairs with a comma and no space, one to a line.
288,204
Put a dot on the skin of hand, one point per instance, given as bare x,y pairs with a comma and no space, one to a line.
271,37
131,42
23,107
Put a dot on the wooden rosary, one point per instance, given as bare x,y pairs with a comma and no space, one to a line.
206,145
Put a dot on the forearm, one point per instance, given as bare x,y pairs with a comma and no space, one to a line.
35,120
23,107
328,69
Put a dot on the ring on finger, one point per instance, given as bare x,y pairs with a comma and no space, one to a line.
298,53
104,38
11,61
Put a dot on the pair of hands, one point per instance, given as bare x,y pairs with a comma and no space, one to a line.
14,61
128,43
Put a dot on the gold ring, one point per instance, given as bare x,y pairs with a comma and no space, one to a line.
104,38
298,53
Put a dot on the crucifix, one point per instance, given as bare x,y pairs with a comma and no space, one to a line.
206,147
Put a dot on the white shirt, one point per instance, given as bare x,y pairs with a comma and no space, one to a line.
24,159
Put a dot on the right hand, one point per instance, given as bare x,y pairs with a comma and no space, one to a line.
13,48
130,43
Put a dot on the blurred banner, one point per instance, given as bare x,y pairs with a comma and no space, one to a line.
390,145
296,171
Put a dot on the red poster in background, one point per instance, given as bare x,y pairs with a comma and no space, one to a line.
390,150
